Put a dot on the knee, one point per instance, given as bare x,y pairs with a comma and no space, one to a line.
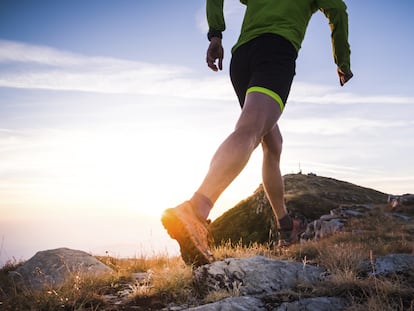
248,135
272,145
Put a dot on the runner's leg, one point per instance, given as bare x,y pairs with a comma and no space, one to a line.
259,116
272,177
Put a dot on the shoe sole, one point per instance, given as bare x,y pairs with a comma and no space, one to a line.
191,251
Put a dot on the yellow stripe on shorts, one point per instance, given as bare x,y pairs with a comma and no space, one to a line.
268,92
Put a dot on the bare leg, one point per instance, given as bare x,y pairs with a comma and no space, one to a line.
258,118
272,177
257,124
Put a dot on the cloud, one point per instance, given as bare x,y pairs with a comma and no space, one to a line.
327,95
339,125
233,14
39,67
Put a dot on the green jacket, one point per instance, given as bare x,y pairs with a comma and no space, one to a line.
288,18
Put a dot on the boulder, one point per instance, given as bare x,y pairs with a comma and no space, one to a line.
255,276
335,221
51,268
320,228
401,200
314,304
233,304
389,264
246,303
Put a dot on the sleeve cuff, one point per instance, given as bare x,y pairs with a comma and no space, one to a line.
214,33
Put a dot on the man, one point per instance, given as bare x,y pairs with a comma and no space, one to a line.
261,70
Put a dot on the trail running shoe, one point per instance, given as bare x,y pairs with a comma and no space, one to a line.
191,233
289,237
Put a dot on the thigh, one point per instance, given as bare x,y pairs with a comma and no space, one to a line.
240,74
273,62
259,115
267,62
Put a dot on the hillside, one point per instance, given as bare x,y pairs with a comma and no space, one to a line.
312,196
367,266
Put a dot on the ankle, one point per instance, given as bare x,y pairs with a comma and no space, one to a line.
285,223
201,204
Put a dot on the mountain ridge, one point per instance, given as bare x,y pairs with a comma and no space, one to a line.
252,220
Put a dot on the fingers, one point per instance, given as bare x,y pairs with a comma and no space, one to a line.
344,77
212,58
215,54
211,64
220,63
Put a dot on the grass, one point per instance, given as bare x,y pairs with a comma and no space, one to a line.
169,281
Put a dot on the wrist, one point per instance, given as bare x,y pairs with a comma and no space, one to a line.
214,34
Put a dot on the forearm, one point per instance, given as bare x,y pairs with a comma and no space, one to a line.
215,17
338,21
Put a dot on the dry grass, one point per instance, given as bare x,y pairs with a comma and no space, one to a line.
170,280
343,254
239,250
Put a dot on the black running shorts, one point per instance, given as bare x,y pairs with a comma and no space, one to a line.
265,64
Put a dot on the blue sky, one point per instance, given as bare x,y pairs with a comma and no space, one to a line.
108,115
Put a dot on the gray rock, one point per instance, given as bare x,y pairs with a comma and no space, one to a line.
335,222
51,268
351,210
320,228
401,200
255,276
244,303
390,264
314,304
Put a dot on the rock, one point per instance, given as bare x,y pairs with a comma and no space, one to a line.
390,264
401,200
351,210
233,304
335,222
314,304
321,228
255,276
51,268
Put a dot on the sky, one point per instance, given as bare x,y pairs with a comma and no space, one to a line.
109,115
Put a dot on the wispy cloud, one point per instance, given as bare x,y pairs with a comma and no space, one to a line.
340,125
321,94
39,67
233,15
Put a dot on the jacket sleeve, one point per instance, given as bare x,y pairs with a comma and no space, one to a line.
335,11
215,16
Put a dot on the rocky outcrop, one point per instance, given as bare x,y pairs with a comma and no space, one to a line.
396,201
255,276
254,304
233,304
314,304
256,283
389,265
51,268
334,221
252,282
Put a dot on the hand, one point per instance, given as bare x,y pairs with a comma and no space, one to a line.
215,52
344,77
